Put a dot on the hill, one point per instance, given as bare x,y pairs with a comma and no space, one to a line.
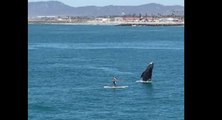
55,8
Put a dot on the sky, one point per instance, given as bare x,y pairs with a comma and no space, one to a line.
78,3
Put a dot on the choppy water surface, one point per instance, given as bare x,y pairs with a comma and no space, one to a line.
68,65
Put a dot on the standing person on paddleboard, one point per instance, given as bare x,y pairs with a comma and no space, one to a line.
114,81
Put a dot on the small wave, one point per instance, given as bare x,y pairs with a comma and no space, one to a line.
125,45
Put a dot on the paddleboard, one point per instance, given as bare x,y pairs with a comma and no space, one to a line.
141,81
114,87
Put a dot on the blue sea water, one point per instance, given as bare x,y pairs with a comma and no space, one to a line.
68,65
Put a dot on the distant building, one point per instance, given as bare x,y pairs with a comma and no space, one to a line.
46,16
166,19
131,19
118,19
103,20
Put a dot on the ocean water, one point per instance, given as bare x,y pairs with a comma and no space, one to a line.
68,65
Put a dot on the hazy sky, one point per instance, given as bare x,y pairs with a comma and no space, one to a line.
77,3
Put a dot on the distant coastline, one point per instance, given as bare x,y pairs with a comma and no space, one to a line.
118,21
152,14
114,24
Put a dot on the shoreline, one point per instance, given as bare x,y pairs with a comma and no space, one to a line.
114,24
